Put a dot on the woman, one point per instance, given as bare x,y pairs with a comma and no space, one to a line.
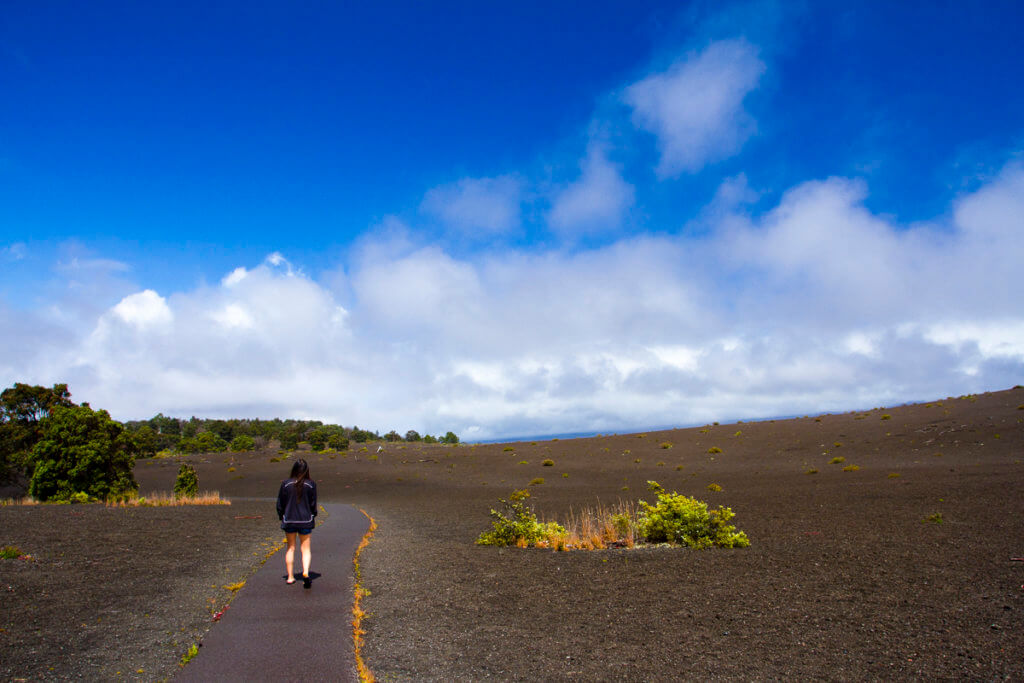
296,508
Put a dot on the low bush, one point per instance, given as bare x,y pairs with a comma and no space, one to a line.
675,518
536,481
714,449
10,552
836,460
548,463
714,487
851,468
666,444
518,524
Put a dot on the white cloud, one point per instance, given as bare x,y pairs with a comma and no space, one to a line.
477,207
818,305
695,107
145,309
596,201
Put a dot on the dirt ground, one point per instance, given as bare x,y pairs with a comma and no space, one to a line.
844,579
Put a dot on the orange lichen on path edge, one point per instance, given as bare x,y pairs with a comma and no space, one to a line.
365,675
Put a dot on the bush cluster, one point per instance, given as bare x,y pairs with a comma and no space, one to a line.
675,518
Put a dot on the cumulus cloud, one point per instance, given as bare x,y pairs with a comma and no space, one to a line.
818,304
595,202
477,207
695,107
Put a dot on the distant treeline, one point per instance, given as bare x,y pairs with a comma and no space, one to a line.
56,449
195,435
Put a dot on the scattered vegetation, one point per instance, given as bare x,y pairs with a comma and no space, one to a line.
192,651
714,449
886,416
894,475
837,460
674,519
851,468
811,471
507,449
537,481
934,518
10,552
666,445
714,487
548,463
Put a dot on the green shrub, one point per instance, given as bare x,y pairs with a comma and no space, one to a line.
507,449
666,444
687,521
537,481
242,443
886,416
811,471
518,525
714,487
10,552
339,442
934,518
836,460
851,468
714,449
548,463
186,485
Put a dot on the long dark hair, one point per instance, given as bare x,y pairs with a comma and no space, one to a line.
300,473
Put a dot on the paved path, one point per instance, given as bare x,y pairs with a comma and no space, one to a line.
277,632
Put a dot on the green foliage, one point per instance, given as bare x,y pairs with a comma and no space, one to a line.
10,552
82,451
934,518
242,443
714,487
687,521
548,463
714,449
186,485
537,481
22,408
666,444
508,449
192,651
289,441
338,441
392,436
450,438
318,439
519,525
429,439
413,435
836,460
851,468
886,416
144,441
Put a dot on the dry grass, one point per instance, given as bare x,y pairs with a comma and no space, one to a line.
595,528
365,675
169,500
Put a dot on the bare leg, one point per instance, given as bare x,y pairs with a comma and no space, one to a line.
289,555
306,553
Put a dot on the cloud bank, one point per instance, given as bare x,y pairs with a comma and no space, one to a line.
816,305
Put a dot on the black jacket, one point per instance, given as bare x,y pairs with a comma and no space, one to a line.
296,512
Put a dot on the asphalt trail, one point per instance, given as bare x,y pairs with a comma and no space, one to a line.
274,631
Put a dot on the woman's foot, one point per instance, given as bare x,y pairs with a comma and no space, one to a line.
306,581
290,580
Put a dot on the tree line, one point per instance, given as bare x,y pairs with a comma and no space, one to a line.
55,449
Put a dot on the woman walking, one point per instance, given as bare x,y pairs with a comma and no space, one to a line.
296,508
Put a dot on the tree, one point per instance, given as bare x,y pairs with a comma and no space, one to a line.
289,441
318,438
338,441
22,407
412,435
242,443
81,451
392,436
144,441
450,437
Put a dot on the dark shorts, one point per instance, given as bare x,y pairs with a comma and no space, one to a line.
295,529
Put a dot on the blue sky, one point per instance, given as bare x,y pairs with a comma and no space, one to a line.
511,219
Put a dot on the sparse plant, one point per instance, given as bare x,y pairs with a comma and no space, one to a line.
886,416
536,481
836,460
524,462
811,471
894,475
548,463
679,468
192,651
934,518
10,552
739,432
714,449
231,469
565,475
851,468
507,449
187,482
637,461
660,463
627,452
518,524
666,445
837,444
714,487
